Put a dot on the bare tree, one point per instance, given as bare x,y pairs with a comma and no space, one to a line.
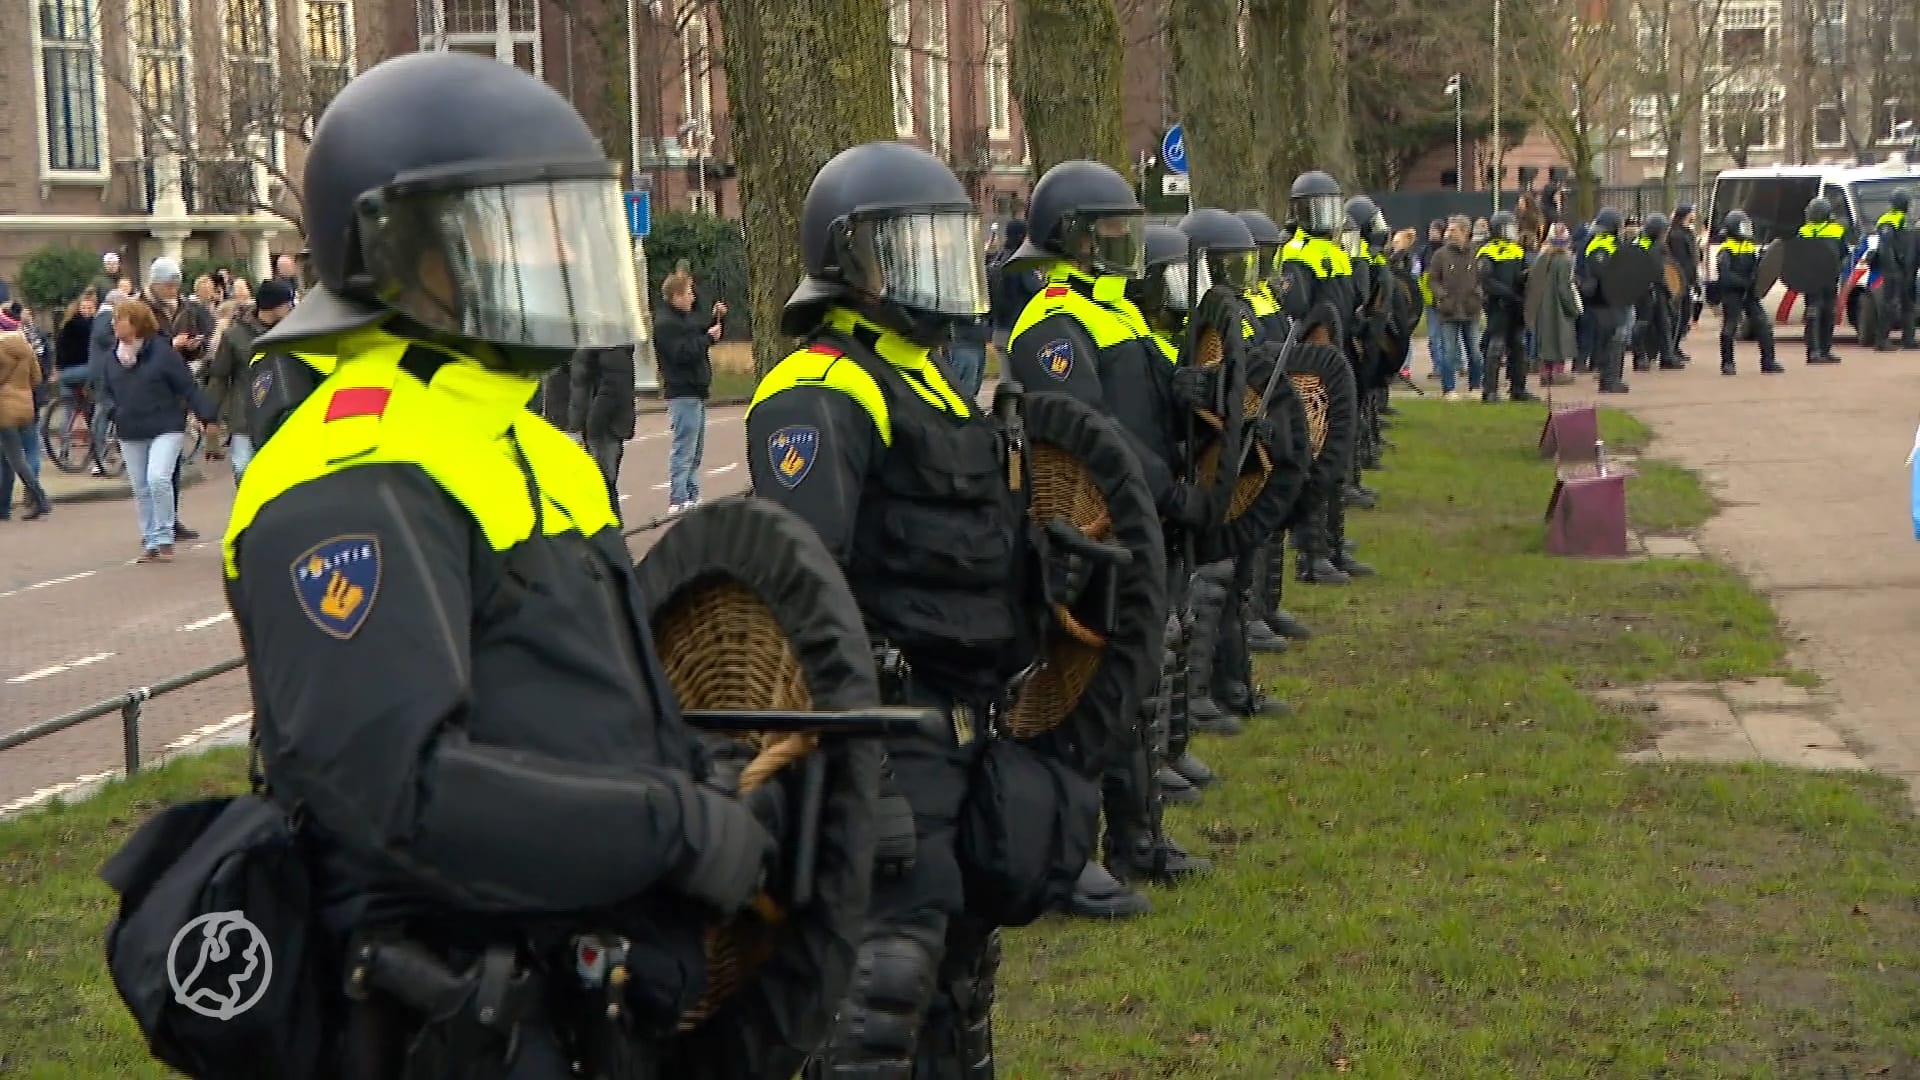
1068,59
1296,87
1851,58
807,78
1399,54
1572,77
1211,90
1687,55
248,111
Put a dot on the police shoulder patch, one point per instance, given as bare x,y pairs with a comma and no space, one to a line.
791,452
262,386
1056,358
337,581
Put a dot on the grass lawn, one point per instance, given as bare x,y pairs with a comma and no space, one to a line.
1439,869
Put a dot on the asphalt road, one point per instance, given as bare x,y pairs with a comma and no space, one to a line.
86,623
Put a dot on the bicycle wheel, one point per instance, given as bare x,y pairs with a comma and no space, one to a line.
63,428
110,458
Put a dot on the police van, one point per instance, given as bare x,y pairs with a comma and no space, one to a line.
1776,198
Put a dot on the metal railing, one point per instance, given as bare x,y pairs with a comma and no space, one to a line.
131,704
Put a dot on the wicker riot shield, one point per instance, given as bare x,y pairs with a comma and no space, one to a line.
1086,697
750,612
1323,381
1277,460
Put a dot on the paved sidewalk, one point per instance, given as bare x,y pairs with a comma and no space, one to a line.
65,487
1810,470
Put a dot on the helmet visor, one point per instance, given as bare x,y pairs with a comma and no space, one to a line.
1237,270
1114,244
543,264
924,260
1322,215
1180,282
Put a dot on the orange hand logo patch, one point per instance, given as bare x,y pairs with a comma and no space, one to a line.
791,451
336,582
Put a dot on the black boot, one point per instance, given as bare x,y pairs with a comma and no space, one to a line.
1100,895
1288,625
1352,567
1261,638
1174,788
1353,496
1237,697
1195,771
1207,603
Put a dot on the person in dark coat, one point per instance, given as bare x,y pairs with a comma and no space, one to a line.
189,325
1683,243
681,339
600,411
152,389
229,375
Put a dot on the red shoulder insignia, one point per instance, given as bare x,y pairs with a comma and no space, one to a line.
1057,290
825,349
358,401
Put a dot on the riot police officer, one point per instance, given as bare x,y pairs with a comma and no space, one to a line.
1317,285
1820,314
1896,255
1608,318
1267,242
1654,338
1739,263
861,433
1502,263
405,673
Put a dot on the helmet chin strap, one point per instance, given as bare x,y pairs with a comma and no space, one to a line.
920,327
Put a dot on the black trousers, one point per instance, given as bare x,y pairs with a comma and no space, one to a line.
1654,338
1897,313
1506,348
1735,305
1609,352
1819,320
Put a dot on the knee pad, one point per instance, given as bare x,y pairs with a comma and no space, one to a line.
893,981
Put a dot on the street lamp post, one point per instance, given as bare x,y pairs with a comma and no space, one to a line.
1498,147
1459,134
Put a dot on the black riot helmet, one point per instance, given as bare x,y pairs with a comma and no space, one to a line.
1166,248
1738,225
1086,212
1819,210
1608,221
1900,200
1267,240
1504,226
889,231
1315,204
1655,226
1227,249
516,249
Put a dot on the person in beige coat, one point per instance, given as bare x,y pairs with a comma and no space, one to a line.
19,374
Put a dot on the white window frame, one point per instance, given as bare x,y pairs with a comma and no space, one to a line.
1839,110
277,141
999,69
900,41
1883,133
185,130
696,78
1739,15
939,81
435,37
1775,111
350,62
90,12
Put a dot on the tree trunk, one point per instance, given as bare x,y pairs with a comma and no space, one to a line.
1210,89
1068,58
806,79
1291,55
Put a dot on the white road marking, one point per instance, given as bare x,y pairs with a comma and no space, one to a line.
202,624
661,487
205,736
624,498
723,469
48,582
56,669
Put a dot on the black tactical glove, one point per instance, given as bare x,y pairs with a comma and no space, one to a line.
1188,505
1262,428
730,849
1196,387
1079,574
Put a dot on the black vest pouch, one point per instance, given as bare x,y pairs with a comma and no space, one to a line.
279,382
1026,831
216,950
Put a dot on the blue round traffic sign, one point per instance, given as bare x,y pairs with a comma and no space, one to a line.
1173,149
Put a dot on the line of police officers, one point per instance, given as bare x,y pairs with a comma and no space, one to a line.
457,696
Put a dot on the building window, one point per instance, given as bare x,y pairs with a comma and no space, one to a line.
1744,120
999,68
1895,122
1644,134
70,85
1650,38
507,30
1750,34
330,53
900,35
1827,36
939,78
1830,125
696,79
160,81
253,96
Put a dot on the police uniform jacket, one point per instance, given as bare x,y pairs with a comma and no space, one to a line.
1895,254
1736,264
450,662
1834,236
1503,277
1081,335
1598,255
1316,271
861,434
